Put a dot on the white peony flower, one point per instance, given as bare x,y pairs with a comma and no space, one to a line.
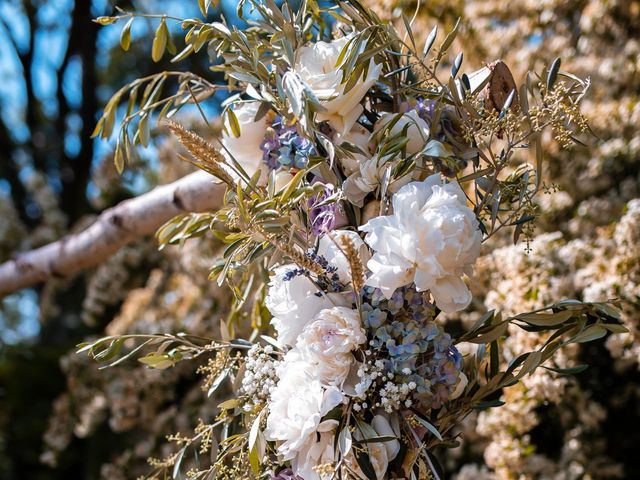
245,149
297,406
432,239
293,303
417,129
327,343
330,247
316,66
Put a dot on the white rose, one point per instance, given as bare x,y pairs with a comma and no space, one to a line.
368,178
431,239
382,423
315,453
316,66
360,137
377,453
282,179
363,181
245,149
298,403
327,343
330,247
417,129
293,303
462,384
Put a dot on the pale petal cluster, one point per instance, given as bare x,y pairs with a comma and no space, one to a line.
308,389
294,302
323,336
330,247
380,453
369,177
361,138
245,149
316,66
431,239
321,452
297,406
414,128
327,343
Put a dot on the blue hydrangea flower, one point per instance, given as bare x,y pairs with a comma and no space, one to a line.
373,318
284,147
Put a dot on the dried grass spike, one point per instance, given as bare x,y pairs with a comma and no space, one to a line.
298,258
355,264
205,155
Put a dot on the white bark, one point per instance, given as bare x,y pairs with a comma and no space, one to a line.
113,229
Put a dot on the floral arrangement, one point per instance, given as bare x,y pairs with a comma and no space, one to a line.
363,175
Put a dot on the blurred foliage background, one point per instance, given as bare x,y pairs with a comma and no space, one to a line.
60,417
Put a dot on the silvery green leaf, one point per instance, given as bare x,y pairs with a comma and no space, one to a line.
244,77
382,439
509,101
233,122
546,319
608,309
429,426
524,99
160,41
476,174
255,428
488,404
217,382
451,36
591,333
553,73
567,371
614,327
294,92
457,64
529,365
430,39
125,35
328,146
178,462
253,93
493,333
466,83
407,26
345,441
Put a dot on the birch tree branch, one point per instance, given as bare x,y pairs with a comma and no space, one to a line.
113,229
